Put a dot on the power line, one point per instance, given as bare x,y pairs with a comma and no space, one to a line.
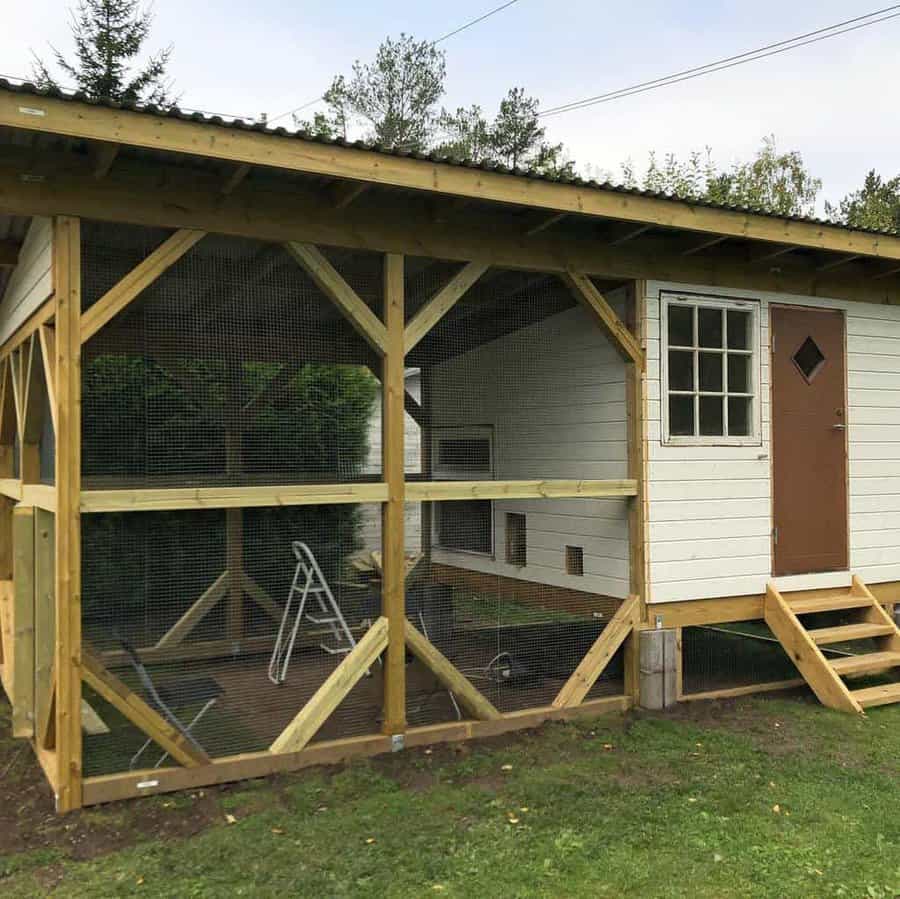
729,62
444,37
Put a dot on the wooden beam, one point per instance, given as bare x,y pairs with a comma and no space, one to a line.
44,623
441,303
704,244
9,253
235,178
216,141
114,787
444,670
167,498
109,687
421,491
137,281
67,587
837,263
344,193
192,200
548,221
619,336
102,157
365,322
619,628
201,607
768,254
393,517
334,690
746,690
47,337
629,235
22,698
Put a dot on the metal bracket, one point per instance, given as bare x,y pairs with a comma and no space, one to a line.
398,742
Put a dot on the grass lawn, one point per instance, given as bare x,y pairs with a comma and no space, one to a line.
754,797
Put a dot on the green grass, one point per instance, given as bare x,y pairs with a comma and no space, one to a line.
768,797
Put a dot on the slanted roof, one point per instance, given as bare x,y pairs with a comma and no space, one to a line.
411,202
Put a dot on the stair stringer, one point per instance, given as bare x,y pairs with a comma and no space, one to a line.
803,652
877,615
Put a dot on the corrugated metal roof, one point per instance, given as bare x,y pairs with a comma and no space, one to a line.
237,124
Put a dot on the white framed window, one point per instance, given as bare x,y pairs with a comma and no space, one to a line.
464,454
709,349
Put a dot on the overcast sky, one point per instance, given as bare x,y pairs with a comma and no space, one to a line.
835,101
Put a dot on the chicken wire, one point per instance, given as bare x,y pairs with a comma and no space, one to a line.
143,573
232,367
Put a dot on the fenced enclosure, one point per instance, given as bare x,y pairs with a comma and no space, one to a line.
333,496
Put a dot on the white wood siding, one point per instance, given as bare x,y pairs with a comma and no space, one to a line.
31,282
554,395
710,506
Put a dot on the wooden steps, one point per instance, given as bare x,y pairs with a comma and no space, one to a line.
863,619
870,663
881,695
845,633
802,605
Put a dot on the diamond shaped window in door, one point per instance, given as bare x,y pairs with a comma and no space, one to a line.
809,359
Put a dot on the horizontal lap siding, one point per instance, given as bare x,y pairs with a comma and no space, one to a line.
710,506
31,282
554,394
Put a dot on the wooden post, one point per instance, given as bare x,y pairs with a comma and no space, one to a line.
635,399
67,280
425,435
23,622
394,563
44,619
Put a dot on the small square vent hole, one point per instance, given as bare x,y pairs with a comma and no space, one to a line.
575,560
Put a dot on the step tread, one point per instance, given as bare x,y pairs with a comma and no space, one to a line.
881,695
866,664
806,606
844,632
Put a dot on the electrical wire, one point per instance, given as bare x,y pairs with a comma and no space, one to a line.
444,37
729,62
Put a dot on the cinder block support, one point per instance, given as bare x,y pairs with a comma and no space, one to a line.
659,668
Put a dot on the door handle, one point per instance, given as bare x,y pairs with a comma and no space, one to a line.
839,427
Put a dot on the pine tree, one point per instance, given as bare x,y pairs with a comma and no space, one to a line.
109,36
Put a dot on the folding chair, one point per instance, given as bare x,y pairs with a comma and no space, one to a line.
164,698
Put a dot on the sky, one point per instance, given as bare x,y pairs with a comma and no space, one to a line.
835,102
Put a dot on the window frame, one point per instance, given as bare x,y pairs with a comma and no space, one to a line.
707,301
460,474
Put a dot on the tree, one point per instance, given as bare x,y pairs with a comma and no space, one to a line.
876,205
772,182
109,36
396,96
515,138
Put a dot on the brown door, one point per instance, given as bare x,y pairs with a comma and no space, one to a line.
809,439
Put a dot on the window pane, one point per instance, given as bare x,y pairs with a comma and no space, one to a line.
681,370
681,416
738,374
738,330
681,326
709,322
711,372
465,525
711,422
739,416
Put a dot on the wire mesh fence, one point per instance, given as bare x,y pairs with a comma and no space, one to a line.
231,368
201,600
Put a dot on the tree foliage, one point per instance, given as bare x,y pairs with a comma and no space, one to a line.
395,96
515,138
772,181
876,205
109,36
